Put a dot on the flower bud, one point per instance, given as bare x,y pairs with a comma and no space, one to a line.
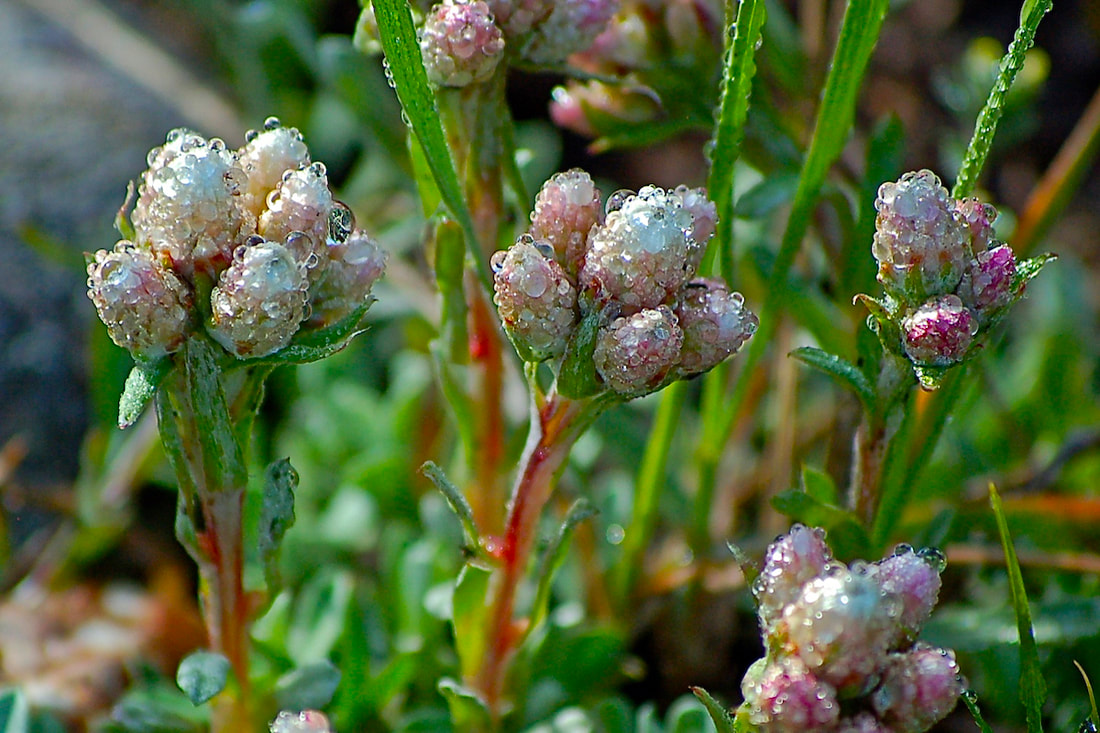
987,287
146,308
353,267
862,723
715,323
921,248
841,626
566,209
259,301
704,215
643,252
791,561
516,17
535,299
460,43
591,107
978,219
265,156
571,26
302,202
187,209
915,579
785,697
940,332
918,689
634,354
307,721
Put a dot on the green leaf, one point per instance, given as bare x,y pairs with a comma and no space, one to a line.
14,712
737,75
469,612
457,501
847,536
276,516
406,67
1092,697
318,618
202,675
819,485
313,345
468,709
577,376
748,567
723,721
552,559
163,709
842,371
309,687
1033,690
221,456
985,127
122,219
141,385
970,699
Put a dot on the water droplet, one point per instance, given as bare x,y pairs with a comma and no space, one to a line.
934,557
970,696
318,169
615,534
1087,727
272,123
902,549
341,222
251,135
616,200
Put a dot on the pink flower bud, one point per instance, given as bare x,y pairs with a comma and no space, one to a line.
915,579
978,219
188,209
535,299
791,561
265,156
862,723
460,43
841,626
593,106
918,689
643,253
566,209
259,301
704,215
785,697
353,267
940,332
987,287
302,203
715,323
571,26
146,308
634,354
921,247
516,17
307,721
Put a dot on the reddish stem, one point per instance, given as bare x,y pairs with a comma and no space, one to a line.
487,360
552,434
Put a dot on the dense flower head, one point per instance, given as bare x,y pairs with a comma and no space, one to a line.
460,43
256,229
623,293
307,721
947,279
844,636
571,26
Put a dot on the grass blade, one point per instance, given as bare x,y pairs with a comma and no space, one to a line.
1033,690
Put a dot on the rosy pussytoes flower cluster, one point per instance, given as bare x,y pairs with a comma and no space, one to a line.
660,52
842,649
307,721
247,245
462,42
614,286
947,279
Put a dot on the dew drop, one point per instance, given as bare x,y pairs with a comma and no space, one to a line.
272,123
251,136
341,222
615,534
616,200
934,557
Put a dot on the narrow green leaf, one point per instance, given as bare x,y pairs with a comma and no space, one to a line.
552,559
309,687
577,376
14,712
458,503
406,68
469,611
319,616
844,372
723,721
313,345
468,710
1033,690
748,567
141,384
819,485
1092,698
737,75
276,517
202,675
222,459
122,219
970,699
858,34
985,127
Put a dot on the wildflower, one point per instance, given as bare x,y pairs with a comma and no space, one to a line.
460,43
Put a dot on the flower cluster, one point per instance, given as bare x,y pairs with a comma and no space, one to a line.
615,286
463,41
248,245
660,52
307,721
841,642
947,279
